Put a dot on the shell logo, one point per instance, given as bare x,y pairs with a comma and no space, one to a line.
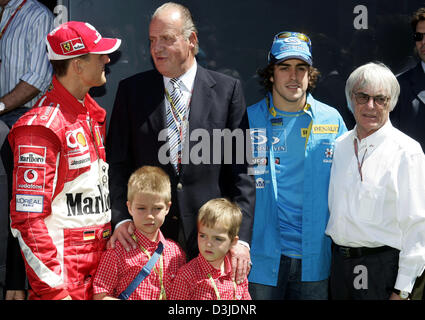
81,139
76,140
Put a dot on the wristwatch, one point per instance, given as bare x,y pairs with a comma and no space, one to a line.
404,295
2,106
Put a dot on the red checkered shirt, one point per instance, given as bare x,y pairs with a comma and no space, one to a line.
118,268
192,282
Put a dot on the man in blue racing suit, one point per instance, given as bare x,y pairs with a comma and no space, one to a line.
293,138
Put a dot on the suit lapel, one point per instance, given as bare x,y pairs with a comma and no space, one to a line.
417,83
199,107
157,118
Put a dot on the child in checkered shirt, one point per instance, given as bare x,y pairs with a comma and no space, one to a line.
208,277
149,200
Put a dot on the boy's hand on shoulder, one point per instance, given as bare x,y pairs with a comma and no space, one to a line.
123,234
241,262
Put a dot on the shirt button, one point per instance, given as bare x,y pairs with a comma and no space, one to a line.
179,186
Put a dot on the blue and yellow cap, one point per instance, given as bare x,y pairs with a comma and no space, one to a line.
290,45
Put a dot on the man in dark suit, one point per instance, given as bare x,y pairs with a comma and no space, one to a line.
409,113
144,112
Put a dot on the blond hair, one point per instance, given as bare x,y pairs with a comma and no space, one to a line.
221,212
152,180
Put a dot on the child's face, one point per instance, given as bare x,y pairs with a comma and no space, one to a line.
148,212
214,243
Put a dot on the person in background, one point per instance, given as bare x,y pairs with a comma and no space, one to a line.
409,114
25,70
4,209
25,73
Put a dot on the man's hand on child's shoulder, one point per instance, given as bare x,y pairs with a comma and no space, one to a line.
123,233
241,262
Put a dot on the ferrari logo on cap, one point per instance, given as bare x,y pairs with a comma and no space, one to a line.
72,45
66,46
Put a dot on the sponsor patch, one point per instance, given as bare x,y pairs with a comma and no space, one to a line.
32,154
259,183
72,45
260,161
258,136
325,128
29,203
99,137
79,161
30,179
79,204
76,141
276,121
47,112
106,233
329,154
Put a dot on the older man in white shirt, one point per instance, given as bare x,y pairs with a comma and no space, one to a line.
376,196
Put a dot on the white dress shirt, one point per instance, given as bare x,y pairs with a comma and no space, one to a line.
388,206
187,81
186,85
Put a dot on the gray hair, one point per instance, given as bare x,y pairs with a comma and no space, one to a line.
374,76
188,24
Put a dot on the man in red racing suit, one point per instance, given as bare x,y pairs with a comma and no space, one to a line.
60,209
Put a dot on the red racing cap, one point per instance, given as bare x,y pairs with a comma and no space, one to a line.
74,38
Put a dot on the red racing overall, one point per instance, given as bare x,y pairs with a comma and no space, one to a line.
60,209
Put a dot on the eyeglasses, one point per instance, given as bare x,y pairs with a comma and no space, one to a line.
363,98
418,36
288,34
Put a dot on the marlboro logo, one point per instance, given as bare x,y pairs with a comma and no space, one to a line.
72,45
32,154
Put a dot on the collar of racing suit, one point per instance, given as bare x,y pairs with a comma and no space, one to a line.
72,104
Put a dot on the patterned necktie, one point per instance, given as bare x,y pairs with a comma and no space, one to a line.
175,123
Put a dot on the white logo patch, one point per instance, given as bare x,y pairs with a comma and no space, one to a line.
259,183
79,162
32,154
28,203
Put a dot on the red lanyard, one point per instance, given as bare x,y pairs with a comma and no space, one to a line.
359,164
11,18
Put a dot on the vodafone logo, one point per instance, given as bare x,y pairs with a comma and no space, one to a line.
30,176
30,179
